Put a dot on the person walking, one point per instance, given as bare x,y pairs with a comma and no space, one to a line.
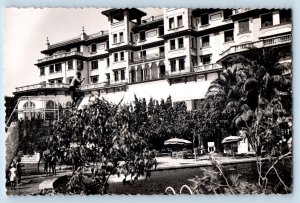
13,176
74,88
19,169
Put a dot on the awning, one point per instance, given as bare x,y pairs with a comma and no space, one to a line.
177,141
231,139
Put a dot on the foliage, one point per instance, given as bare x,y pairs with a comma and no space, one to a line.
10,103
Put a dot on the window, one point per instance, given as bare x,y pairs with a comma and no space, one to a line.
70,64
143,54
197,21
94,65
228,36
181,64
123,74
94,48
227,13
58,67
142,36
161,30
161,51
131,37
173,65
122,55
115,38
285,16
59,81
193,43
172,44
205,60
204,19
171,23
79,65
51,81
94,79
116,57
42,70
121,37
116,74
180,42
107,62
179,21
205,41
51,69
196,104
266,20
244,26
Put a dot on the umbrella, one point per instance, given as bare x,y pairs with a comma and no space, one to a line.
177,141
231,139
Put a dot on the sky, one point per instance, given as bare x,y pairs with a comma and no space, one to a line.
26,30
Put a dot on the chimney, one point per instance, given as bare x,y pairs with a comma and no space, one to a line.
83,36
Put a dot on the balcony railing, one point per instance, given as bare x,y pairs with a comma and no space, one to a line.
258,44
206,67
241,10
148,57
149,77
93,85
60,55
152,18
42,86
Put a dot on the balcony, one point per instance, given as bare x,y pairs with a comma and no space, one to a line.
149,77
148,57
206,67
240,10
152,18
60,55
93,86
284,39
42,86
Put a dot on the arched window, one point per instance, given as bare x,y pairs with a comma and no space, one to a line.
50,110
68,105
29,110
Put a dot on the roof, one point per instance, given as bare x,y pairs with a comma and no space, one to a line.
76,40
117,14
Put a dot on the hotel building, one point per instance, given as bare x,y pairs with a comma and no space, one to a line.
175,54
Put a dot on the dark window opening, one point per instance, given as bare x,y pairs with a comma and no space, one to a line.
179,21
94,48
122,74
172,44
171,23
204,19
173,65
181,64
116,74
180,42
121,37
161,30
162,51
285,16
205,41
116,57
122,56
206,60
42,71
142,36
70,64
227,13
107,62
228,36
51,69
94,79
94,65
79,65
115,38
58,67
267,20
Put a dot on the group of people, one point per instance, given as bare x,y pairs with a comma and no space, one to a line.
15,173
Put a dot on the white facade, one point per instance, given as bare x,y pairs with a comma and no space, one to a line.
177,53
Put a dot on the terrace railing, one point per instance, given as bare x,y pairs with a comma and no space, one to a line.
152,18
206,67
258,44
60,55
148,57
41,86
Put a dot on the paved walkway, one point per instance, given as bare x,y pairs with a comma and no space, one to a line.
32,184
